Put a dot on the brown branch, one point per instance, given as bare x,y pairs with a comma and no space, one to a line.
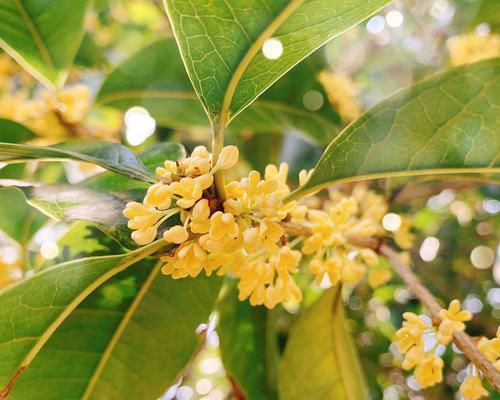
463,341
294,229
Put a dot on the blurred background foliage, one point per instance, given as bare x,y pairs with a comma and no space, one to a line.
457,224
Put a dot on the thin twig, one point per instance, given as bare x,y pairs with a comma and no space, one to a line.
463,341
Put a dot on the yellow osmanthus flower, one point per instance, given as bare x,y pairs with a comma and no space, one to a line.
403,237
472,47
411,334
472,388
342,218
342,94
452,320
242,236
9,273
491,349
49,114
429,370
429,366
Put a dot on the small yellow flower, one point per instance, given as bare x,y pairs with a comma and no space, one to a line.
472,47
429,370
472,388
200,222
188,190
403,236
411,334
369,257
452,320
491,349
73,103
176,234
159,195
379,276
188,260
144,236
342,94
228,158
413,357
141,216
168,172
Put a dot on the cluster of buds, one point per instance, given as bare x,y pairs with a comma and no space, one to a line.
243,235
418,341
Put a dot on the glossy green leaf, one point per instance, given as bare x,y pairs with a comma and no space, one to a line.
152,158
12,132
31,310
43,35
100,199
320,360
112,156
76,203
221,43
17,219
84,239
130,339
247,345
163,88
446,124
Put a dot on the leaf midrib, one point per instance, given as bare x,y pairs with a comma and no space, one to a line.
37,38
119,331
127,262
252,51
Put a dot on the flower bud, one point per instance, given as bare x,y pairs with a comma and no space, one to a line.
177,234
144,236
228,157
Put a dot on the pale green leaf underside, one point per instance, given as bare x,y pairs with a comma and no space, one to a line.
43,35
112,156
164,89
33,309
320,360
215,36
449,123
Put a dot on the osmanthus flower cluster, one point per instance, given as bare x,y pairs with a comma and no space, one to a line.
419,341
472,47
47,113
244,236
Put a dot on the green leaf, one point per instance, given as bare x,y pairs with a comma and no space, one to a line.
488,11
446,124
17,219
112,156
75,203
82,240
100,199
130,339
12,132
31,310
152,158
164,89
248,350
43,35
320,360
221,43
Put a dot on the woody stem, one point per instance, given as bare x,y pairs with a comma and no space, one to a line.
463,341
